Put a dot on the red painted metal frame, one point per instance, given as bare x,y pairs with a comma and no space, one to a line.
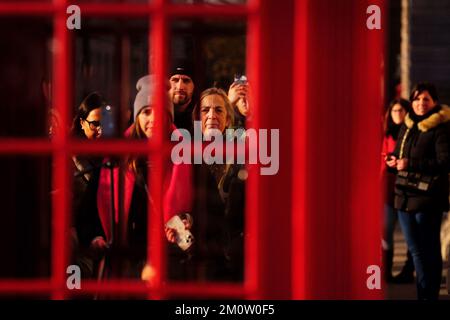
299,184
158,41
252,259
61,201
133,10
336,213
62,147
356,219
366,196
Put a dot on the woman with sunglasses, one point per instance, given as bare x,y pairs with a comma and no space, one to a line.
87,122
87,125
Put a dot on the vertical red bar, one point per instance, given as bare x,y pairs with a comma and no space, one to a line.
157,63
251,261
342,196
299,150
366,207
274,108
60,201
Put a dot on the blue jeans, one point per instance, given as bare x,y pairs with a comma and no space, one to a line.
390,218
422,234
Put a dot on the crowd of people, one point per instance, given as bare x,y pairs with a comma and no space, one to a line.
415,170
208,199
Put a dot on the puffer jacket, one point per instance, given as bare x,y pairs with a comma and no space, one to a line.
425,141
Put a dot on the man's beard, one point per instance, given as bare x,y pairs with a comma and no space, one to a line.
180,102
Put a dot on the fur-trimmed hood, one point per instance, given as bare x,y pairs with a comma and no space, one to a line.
432,121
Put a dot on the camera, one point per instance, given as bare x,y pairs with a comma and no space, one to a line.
240,79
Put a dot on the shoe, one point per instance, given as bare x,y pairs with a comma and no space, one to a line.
407,273
387,265
404,277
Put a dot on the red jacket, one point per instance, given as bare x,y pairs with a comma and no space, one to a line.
388,178
177,192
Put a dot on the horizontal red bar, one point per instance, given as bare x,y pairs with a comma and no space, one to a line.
26,146
207,11
120,287
191,289
113,147
131,10
126,10
27,8
45,146
207,290
116,147
29,286
169,10
113,286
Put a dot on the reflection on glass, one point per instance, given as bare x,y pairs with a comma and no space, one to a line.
25,58
111,61
205,222
42,1
25,195
213,2
110,201
110,1
206,237
110,56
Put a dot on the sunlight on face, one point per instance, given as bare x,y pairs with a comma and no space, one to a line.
213,114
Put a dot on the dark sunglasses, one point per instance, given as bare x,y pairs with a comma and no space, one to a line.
94,124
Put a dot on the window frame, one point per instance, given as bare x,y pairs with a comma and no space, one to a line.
159,13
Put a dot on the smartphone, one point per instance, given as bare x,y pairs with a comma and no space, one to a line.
240,79
184,237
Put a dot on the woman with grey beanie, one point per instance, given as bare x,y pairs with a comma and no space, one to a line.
136,193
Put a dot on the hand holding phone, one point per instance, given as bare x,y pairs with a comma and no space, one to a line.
183,236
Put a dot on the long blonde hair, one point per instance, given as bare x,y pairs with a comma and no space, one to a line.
228,107
137,134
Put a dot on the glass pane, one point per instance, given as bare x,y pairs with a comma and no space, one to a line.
211,54
213,2
110,56
110,204
28,1
110,1
25,230
26,62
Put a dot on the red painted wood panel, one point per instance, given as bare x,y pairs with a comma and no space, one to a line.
338,108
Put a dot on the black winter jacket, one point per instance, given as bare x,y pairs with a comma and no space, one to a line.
426,147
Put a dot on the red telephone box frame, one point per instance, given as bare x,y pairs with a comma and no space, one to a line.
282,259
159,13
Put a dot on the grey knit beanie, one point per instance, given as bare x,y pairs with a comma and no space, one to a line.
144,96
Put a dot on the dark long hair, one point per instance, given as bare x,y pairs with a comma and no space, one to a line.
421,87
93,101
389,127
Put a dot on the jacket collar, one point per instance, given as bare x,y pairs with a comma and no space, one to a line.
432,121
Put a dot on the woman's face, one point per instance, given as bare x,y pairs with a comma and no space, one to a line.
423,103
398,113
213,114
92,124
146,119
